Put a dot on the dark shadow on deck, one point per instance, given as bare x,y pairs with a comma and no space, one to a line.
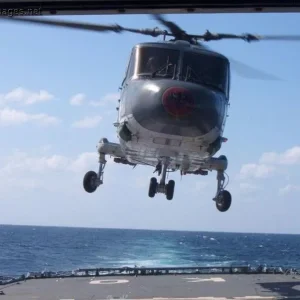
288,290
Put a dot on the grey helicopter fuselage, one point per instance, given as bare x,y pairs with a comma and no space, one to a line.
173,106
173,103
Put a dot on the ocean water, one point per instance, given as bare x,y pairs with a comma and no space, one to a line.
33,248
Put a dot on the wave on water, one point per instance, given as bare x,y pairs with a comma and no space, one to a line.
23,249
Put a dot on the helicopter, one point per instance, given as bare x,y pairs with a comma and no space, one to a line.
173,106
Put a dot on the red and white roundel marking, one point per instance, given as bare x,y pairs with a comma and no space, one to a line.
178,101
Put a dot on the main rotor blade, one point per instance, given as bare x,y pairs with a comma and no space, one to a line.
246,71
176,31
209,36
86,26
174,28
279,37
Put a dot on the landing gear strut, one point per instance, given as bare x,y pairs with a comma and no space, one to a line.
218,164
223,197
92,180
162,187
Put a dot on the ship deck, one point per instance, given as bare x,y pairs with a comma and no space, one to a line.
225,286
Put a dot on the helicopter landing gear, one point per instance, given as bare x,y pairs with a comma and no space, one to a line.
92,180
223,201
223,197
162,187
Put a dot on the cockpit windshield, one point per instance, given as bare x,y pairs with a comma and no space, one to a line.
206,69
157,62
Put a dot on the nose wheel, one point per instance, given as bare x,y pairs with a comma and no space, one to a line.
170,189
152,187
161,187
167,189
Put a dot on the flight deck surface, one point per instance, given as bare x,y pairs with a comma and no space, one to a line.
228,286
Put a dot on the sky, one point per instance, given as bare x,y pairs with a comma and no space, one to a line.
58,98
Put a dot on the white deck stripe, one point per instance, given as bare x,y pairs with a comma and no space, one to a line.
197,298
199,279
109,281
209,298
215,298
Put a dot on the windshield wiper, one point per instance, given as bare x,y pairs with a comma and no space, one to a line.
165,66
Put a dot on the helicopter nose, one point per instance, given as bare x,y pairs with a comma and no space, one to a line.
189,111
178,102
184,110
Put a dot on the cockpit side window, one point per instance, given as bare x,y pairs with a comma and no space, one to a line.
206,69
159,62
130,71
130,66
228,81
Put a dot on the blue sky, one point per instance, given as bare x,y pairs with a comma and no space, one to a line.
46,148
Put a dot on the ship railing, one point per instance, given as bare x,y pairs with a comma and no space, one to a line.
143,271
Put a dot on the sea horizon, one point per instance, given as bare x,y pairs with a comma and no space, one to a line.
149,229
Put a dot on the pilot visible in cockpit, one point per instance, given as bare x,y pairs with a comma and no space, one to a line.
152,64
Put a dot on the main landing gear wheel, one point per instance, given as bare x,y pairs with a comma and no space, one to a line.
223,201
223,198
90,182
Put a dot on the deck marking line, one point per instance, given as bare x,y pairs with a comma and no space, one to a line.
257,297
207,298
212,298
215,298
198,279
109,281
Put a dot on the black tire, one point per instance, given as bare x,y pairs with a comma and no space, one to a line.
170,189
152,187
223,202
89,182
